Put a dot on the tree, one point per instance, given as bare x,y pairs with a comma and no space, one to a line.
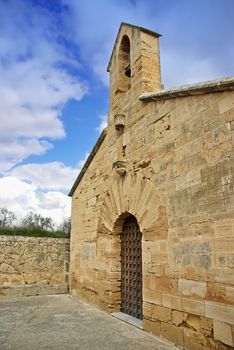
34,220
6,217
66,226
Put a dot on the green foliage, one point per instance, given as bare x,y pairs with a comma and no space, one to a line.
33,225
37,221
31,232
66,226
6,217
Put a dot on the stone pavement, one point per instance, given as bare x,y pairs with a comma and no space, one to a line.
59,322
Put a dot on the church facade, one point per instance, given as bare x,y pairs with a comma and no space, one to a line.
153,207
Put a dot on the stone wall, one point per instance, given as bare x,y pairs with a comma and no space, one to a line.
33,265
179,186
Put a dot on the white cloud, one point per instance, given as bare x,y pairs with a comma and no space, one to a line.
191,71
13,151
54,175
21,197
188,34
98,26
103,122
36,81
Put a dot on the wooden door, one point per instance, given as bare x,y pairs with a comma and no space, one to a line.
131,268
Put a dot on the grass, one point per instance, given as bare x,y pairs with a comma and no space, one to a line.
31,232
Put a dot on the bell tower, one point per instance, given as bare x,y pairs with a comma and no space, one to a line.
134,67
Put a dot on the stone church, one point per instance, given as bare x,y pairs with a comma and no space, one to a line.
153,207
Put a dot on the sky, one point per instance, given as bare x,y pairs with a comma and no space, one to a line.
54,84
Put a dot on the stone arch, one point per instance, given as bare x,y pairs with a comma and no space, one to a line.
131,194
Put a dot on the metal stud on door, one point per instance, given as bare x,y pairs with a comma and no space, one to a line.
131,268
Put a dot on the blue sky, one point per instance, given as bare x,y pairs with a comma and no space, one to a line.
54,84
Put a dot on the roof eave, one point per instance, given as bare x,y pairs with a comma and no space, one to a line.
210,86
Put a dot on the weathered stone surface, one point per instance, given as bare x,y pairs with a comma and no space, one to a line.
178,317
32,266
159,230
152,326
172,301
194,340
152,296
161,313
206,326
192,306
197,254
219,311
223,332
192,288
173,333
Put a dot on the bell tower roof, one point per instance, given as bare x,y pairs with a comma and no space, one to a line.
142,29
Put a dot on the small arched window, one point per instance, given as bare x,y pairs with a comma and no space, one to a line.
124,64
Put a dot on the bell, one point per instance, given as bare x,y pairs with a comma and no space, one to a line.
127,70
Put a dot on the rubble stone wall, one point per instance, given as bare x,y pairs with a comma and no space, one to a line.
33,266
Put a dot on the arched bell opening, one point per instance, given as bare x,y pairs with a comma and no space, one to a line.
124,65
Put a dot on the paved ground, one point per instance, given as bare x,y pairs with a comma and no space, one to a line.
64,323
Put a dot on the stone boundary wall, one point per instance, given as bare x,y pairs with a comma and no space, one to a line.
33,265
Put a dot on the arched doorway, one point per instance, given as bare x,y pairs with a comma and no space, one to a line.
131,268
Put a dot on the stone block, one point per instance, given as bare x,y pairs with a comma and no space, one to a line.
178,317
156,270
161,313
229,294
220,312
147,310
224,259
193,254
199,274
192,306
224,244
225,276
191,179
172,333
160,258
172,301
192,288
152,326
216,292
223,332
152,296
194,321
160,284
224,228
